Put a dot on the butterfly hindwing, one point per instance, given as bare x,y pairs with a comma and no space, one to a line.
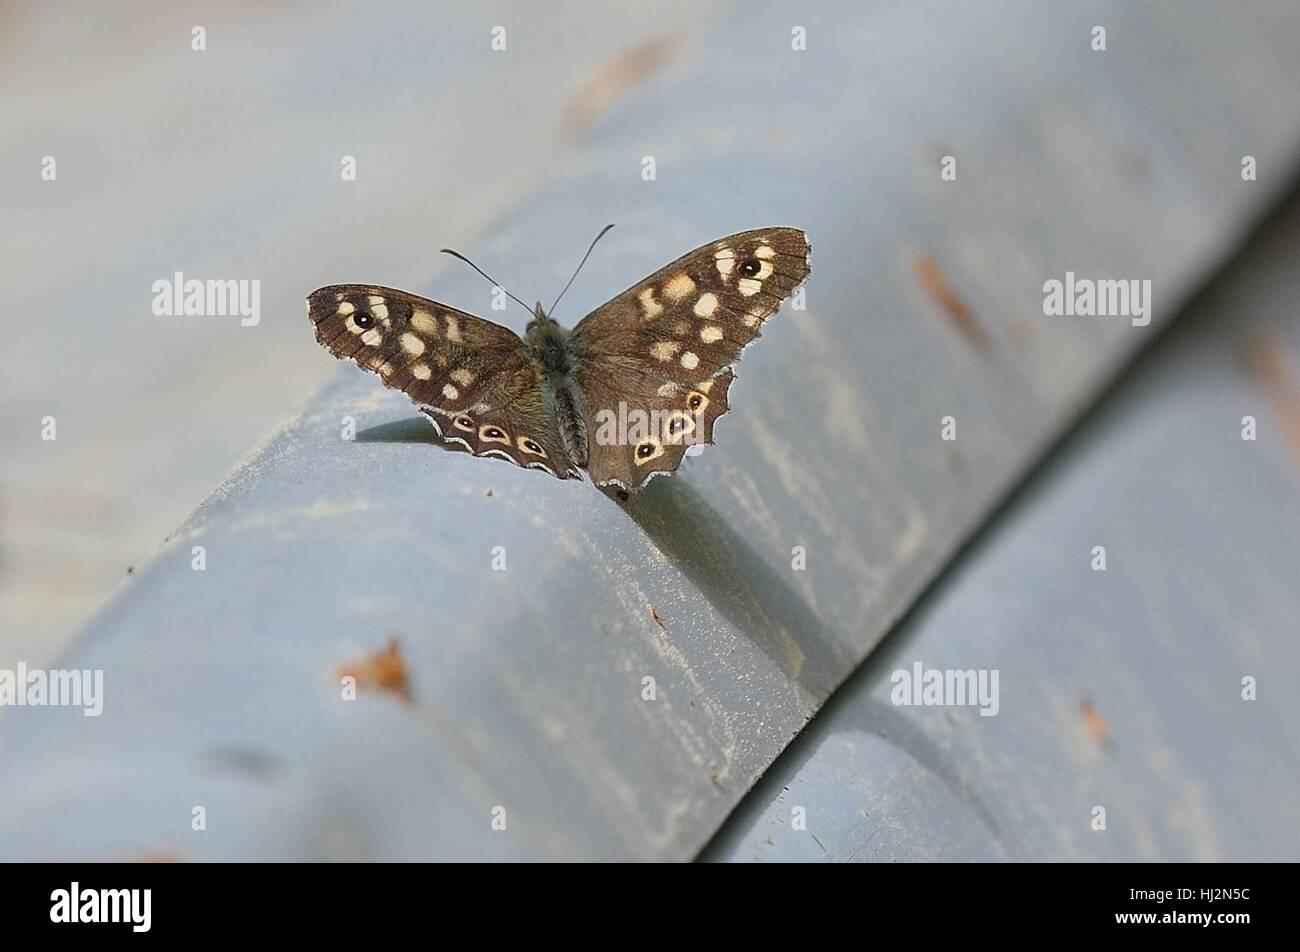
661,426
667,344
471,377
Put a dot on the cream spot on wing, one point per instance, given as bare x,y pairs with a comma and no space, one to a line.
664,349
667,389
440,360
649,306
710,332
680,328
725,260
380,311
421,371
690,361
345,309
453,328
372,337
462,376
764,271
375,299
748,286
765,251
752,317
706,305
423,322
412,344
386,369
678,287
706,386
450,392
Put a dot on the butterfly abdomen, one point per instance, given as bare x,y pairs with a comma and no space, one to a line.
570,421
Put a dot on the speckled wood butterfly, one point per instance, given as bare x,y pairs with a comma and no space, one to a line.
623,395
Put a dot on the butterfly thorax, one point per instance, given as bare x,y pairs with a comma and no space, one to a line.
548,345
550,348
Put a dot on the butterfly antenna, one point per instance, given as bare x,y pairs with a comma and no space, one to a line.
551,310
495,282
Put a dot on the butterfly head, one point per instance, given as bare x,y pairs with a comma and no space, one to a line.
540,318
543,330
539,325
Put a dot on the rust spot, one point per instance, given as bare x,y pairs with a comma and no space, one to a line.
950,302
1022,330
1273,366
780,139
1093,722
654,613
615,77
384,670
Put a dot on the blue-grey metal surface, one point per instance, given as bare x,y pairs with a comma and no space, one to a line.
527,684
1119,688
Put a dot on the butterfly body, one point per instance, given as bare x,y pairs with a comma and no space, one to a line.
550,348
622,395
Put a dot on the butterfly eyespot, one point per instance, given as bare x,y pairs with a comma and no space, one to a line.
493,433
463,423
695,402
645,452
363,320
750,267
531,446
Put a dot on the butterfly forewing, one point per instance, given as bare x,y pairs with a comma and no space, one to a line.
666,345
470,376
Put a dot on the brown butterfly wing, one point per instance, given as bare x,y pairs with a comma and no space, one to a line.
470,377
667,344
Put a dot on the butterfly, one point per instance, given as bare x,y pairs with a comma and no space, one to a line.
623,395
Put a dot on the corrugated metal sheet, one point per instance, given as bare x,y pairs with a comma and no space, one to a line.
1122,689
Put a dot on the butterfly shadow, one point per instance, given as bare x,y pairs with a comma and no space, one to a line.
410,430
740,584
735,579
